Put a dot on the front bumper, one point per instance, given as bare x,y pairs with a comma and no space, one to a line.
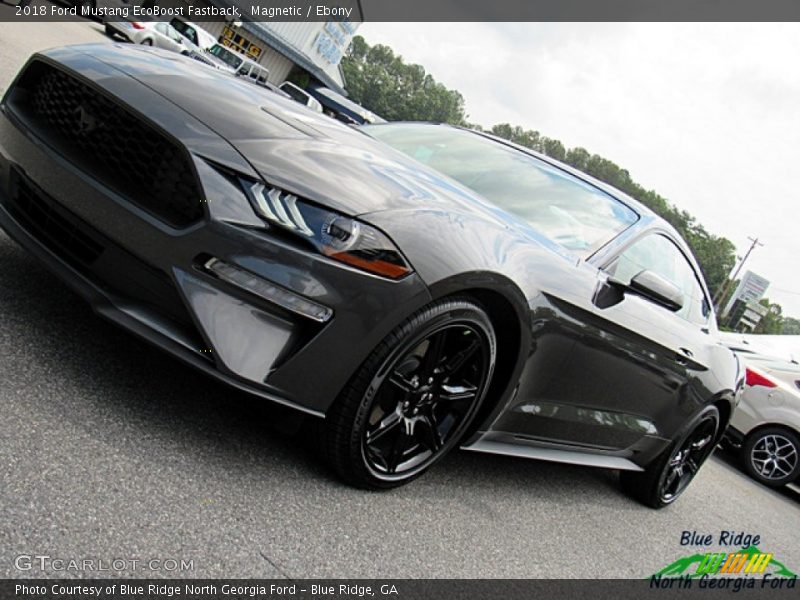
146,276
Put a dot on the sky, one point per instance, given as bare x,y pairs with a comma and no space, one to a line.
705,114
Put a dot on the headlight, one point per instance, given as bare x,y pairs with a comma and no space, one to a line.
341,238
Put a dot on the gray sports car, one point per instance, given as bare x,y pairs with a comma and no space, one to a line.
410,287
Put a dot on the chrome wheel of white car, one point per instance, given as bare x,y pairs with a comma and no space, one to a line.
772,456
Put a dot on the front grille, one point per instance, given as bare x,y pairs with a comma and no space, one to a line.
110,143
43,219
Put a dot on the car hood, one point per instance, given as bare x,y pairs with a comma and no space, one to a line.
291,146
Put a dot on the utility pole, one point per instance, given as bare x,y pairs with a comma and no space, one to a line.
722,295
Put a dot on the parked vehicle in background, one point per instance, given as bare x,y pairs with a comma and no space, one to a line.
224,58
149,33
765,427
196,52
342,108
301,96
194,33
228,60
238,64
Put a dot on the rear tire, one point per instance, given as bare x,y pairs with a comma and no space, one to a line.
147,42
772,456
413,398
667,478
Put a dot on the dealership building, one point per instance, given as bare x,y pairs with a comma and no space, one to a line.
306,51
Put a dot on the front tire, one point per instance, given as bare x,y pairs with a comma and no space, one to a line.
414,397
772,456
670,474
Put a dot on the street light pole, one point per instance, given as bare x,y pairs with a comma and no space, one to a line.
723,294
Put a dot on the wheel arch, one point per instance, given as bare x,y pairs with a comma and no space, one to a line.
509,313
772,425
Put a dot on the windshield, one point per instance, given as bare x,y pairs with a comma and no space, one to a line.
226,56
565,209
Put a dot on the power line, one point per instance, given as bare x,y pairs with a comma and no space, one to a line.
782,291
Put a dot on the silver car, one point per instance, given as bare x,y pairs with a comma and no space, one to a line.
766,425
150,33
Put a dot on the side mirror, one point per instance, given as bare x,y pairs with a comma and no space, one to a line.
646,284
654,287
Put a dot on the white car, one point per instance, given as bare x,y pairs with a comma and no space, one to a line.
766,424
301,96
233,62
150,33
194,33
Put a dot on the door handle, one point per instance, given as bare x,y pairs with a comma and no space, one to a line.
682,357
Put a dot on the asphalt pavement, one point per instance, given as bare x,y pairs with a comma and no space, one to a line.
111,450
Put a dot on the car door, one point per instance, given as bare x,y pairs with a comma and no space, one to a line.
641,362
632,362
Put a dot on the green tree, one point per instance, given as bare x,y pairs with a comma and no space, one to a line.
790,326
772,322
383,83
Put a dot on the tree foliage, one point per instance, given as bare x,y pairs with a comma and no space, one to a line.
382,82
772,322
790,326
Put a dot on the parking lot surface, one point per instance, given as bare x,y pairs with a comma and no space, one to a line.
109,450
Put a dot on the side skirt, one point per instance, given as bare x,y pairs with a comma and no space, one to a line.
554,455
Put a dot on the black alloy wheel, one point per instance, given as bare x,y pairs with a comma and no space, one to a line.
414,398
686,461
669,476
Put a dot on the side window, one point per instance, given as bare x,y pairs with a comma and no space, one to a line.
659,254
185,29
192,35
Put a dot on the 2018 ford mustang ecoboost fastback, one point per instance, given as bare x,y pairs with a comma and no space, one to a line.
414,286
